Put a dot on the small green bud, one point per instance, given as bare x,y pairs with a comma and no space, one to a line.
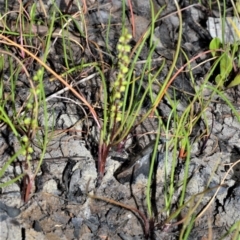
126,59
113,108
118,117
40,73
37,91
25,139
29,157
35,78
122,39
124,69
120,47
128,36
120,55
30,150
117,95
29,106
116,84
27,121
127,48
122,89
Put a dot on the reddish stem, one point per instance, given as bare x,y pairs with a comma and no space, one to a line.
102,157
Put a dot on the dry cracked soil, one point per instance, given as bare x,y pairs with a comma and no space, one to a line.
59,208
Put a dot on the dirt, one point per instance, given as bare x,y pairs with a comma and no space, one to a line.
64,204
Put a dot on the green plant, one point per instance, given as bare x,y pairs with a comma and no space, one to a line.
23,124
113,117
228,57
23,121
234,231
123,100
225,61
121,108
120,117
5,119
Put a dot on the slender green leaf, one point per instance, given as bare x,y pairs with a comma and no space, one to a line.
235,82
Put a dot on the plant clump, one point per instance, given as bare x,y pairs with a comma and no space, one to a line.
114,116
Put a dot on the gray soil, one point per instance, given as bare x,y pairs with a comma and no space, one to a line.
60,208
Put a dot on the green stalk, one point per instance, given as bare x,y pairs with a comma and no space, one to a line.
42,94
167,195
6,165
151,170
166,82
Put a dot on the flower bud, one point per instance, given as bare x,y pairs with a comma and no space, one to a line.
27,121
117,95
